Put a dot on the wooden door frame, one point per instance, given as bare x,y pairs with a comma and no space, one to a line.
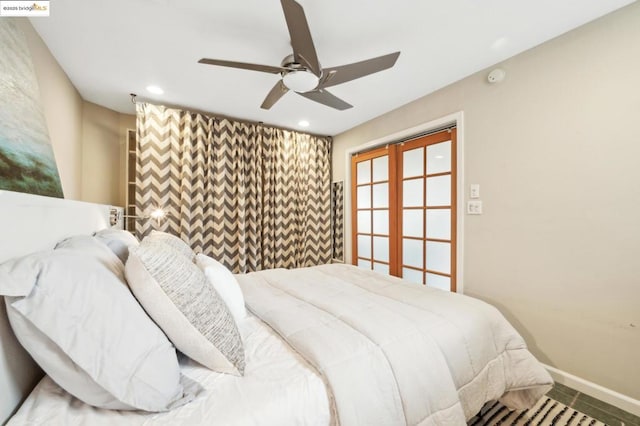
456,119
391,152
424,141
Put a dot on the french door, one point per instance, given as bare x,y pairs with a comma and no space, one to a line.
374,242
404,210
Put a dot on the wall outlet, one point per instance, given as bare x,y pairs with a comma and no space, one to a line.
474,207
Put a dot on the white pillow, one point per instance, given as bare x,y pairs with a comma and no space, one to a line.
17,276
119,241
176,294
88,333
225,284
97,249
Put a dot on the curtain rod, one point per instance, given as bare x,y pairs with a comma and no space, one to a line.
448,127
433,131
134,100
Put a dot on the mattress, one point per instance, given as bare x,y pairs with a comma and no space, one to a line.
278,388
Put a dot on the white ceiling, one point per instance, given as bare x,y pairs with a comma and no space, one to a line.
112,48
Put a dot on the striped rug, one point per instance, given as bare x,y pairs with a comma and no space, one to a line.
546,412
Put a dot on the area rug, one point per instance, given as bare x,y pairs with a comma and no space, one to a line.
546,412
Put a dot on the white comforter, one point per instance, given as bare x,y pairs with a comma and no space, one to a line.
395,353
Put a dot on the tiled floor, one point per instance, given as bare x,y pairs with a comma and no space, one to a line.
597,409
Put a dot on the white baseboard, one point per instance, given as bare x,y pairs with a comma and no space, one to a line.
609,396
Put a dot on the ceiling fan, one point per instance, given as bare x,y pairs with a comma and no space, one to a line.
301,71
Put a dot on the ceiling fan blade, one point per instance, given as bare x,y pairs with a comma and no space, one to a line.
342,74
274,95
243,65
326,98
304,52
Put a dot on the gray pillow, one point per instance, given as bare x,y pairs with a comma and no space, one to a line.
119,241
173,242
177,295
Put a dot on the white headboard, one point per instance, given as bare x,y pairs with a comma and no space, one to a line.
30,223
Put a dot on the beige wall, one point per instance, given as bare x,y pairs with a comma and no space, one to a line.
101,154
62,106
556,150
88,140
104,154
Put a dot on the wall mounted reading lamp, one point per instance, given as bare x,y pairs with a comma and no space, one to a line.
116,215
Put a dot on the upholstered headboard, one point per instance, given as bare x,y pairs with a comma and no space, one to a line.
30,223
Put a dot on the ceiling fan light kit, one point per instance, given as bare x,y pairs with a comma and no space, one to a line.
300,81
301,72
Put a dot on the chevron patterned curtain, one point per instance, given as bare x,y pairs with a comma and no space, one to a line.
253,197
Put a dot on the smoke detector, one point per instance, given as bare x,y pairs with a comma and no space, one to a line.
496,76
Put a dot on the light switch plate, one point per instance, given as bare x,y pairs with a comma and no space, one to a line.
474,190
474,207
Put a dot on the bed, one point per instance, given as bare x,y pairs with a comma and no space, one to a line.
331,344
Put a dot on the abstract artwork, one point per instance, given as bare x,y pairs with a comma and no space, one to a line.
27,163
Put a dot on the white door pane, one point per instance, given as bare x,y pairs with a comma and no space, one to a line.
439,158
364,197
412,223
381,168
381,248
439,282
439,191
439,256
439,224
412,193
364,264
381,267
413,162
381,195
363,172
381,222
412,275
364,222
412,254
364,246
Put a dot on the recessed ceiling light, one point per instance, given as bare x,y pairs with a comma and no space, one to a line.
303,123
155,90
439,157
499,43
